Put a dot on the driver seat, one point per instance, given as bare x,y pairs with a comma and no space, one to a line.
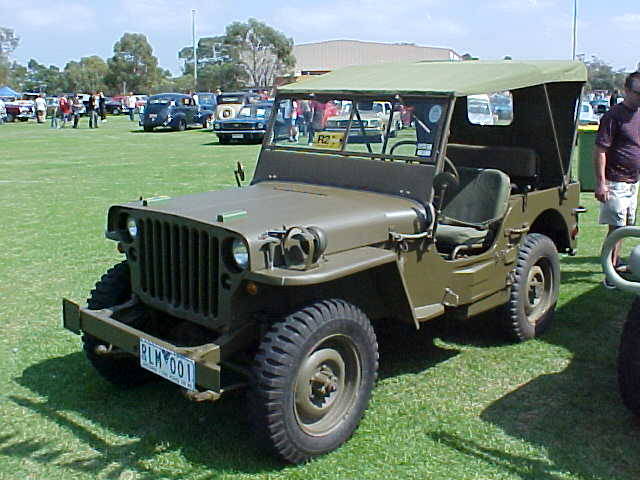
480,202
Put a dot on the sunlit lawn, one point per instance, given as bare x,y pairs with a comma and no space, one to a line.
453,401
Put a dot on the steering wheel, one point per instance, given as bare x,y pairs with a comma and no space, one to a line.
398,144
448,164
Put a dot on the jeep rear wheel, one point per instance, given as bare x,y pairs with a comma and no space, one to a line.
121,369
629,360
534,291
312,379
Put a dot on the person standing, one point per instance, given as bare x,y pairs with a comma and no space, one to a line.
131,105
76,107
3,111
65,110
94,109
101,108
617,163
41,108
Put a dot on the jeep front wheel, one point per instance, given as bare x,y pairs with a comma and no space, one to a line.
312,379
629,360
119,368
534,291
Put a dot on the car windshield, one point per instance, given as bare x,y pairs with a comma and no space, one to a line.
160,101
411,129
256,112
205,98
230,99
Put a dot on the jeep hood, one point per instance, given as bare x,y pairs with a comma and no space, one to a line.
350,218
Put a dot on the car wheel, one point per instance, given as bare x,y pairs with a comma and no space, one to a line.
182,126
224,139
629,360
11,117
116,111
206,123
312,379
534,291
122,370
148,128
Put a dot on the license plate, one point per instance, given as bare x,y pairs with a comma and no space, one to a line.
237,135
153,116
170,365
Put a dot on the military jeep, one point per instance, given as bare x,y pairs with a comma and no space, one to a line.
273,287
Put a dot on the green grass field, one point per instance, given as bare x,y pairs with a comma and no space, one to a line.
453,401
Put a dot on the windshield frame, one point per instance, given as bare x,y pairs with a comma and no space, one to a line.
437,159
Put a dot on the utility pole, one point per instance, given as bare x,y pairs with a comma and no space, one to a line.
575,27
195,56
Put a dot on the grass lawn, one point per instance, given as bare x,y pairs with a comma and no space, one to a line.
453,402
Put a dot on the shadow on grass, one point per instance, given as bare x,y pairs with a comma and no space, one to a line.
575,414
155,419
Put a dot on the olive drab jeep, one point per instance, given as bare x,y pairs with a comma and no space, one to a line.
273,287
629,351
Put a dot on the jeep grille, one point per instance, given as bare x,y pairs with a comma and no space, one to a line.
179,267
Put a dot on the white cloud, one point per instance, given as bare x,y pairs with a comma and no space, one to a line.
421,22
629,21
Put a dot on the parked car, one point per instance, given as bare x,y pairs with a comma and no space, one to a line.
629,352
174,110
21,110
207,100
587,116
114,105
250,124
479,110
277,283
372,128
230,103
600,107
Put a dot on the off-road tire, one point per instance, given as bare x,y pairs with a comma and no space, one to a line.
124,371
329,345
148,129
629,360
534,292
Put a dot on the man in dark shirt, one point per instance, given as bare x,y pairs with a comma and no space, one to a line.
617,161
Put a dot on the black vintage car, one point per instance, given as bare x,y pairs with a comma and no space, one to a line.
174,110
250,124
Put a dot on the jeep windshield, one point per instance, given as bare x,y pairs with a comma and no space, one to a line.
405,128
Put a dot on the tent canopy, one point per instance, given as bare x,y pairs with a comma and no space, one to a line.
441,78
7,91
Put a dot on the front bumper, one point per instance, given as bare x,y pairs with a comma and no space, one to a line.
100,324
229,132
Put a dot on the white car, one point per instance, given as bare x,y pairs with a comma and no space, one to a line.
479,110
587,115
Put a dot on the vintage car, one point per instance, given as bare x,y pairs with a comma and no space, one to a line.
174,110
230,103
250,124
21,110
371,121
207,100
587,116
114,105
273,287
629,352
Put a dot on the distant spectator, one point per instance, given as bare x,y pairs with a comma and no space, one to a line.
94,109
41,108
131,105
65,110
101,107
54,116
76,107
613,100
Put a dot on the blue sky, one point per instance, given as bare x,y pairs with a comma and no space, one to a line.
56,31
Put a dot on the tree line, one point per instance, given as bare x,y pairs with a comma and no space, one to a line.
250,54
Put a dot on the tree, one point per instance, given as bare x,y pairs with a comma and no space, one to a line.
42,78
216,67
8,43
87,75
260,50
133,66
601,76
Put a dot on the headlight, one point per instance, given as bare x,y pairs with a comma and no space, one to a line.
240,253
132,227
216,126
261,125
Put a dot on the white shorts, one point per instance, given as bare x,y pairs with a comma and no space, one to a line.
620,209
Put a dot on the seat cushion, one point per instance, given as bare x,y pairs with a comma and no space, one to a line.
455,235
